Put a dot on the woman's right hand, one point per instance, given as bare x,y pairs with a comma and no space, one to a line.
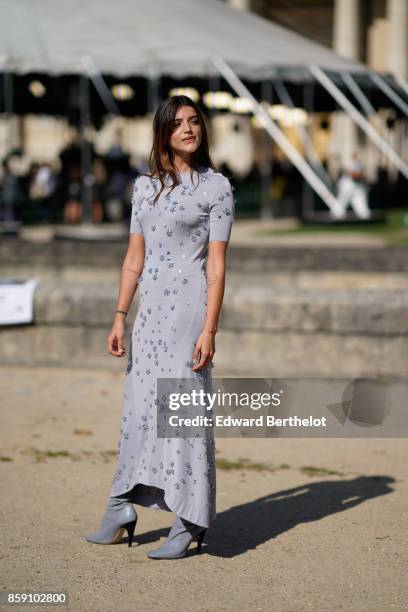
116,337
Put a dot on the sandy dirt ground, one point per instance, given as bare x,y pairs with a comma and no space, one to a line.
302,524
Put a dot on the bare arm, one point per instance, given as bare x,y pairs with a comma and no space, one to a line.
205,347
215,283
221,216
129,278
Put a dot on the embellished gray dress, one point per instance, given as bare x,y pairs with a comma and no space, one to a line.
174,474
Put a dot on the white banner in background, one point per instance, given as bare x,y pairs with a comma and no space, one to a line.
16,300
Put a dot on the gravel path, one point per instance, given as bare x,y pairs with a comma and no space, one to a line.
322,527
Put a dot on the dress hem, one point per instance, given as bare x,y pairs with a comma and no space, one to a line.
173,506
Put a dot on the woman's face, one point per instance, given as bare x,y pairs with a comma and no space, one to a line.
186,136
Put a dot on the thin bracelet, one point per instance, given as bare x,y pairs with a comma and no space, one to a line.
122,312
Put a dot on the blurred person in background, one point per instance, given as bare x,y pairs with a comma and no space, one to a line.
42,189
353,188
119,174
70,184
12,193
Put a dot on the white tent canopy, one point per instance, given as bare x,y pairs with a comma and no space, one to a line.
176,38
137,37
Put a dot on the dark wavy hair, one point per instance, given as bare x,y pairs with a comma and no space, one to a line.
161,159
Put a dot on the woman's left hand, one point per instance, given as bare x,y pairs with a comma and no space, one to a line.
204,350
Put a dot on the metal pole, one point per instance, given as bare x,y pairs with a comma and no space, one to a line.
100,85
154,86
266,208
359,119
311,154
214,85
8,110
278,136
87,177
403,84
358,93
390,93
8,107
307,193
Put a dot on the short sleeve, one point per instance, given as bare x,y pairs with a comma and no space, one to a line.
222,211
135,225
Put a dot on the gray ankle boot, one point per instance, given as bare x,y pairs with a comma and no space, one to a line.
179,539
119,515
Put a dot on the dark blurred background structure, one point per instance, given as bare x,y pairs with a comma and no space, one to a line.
75,123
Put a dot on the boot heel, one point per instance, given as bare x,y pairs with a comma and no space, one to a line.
119,515
130,528
179,540
200,538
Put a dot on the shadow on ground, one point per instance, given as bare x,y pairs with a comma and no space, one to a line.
244,527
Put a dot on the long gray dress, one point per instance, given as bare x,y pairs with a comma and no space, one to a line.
174,474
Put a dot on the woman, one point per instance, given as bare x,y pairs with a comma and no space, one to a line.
182,211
